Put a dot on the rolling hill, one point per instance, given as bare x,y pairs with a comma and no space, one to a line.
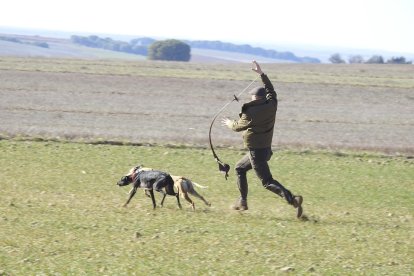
64,48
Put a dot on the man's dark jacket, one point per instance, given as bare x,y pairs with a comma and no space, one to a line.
257,119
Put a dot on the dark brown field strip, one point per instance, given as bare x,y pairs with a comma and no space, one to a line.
102,112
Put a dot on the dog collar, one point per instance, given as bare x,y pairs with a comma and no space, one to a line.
134,176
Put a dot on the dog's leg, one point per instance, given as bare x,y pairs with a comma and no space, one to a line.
179,192
131,195
163,197
154,204
194,193
185,195
158,186
177,195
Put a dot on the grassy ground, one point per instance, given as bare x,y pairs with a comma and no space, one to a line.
61,214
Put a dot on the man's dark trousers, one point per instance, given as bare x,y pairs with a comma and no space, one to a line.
257,159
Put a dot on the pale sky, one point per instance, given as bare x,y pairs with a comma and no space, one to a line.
361,24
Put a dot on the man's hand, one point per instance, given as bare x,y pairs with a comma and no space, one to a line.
226,122
256,67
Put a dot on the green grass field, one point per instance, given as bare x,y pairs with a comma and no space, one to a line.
61,214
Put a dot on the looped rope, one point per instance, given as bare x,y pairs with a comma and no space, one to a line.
223,167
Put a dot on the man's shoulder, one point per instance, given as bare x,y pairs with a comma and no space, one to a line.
248,106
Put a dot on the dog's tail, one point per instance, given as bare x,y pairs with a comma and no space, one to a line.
200,186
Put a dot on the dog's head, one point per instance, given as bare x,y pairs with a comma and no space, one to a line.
129,178
125,180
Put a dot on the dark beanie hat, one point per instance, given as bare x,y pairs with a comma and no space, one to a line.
258,91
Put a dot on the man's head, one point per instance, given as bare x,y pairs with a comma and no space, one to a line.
257,93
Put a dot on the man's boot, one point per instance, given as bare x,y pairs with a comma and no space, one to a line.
295,201
240,205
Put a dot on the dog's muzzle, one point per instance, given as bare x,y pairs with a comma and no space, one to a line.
125,180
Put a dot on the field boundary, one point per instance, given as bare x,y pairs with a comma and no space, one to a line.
339,152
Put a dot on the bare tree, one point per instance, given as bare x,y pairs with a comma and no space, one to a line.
375,59
398,60
356,59
336,58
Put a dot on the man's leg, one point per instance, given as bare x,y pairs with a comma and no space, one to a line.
259,158
294,200
242,167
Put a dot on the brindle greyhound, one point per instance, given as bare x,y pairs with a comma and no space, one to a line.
149,180
185,186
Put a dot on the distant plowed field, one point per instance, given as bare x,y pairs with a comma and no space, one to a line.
368,107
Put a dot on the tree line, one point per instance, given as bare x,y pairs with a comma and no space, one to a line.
133,47
170,49
247,49
16,40
153,48
375,59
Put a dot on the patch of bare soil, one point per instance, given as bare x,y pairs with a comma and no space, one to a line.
173,110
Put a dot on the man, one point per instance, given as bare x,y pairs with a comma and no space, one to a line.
257,119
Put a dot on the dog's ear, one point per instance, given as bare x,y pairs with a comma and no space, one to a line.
132,170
